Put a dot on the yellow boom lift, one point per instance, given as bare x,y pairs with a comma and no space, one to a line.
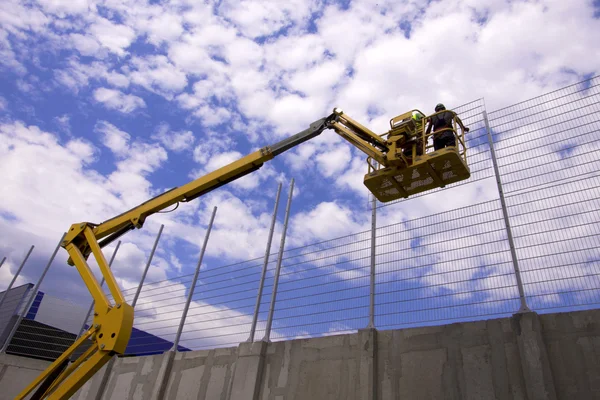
400,164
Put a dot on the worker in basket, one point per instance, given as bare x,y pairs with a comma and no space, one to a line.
441,122
417,117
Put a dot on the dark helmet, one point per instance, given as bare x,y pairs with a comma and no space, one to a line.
439,107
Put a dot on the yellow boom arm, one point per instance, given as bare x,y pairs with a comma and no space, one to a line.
112,323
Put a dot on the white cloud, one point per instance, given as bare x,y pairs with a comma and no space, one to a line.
354,176
55,167
163,27
3,103
115,37
63,7
157,74
119,101
8,57
327,220
211,143
64,123
257,18
212,116
175,141
85,44
16,16
78,75
333,162
113,138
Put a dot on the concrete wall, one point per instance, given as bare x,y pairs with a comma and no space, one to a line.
573,346
16,373
529,357
478,360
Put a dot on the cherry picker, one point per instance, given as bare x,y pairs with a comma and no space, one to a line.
400,163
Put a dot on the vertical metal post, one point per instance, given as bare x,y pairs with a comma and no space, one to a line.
87,316
32,297
267,336
513,252
16,275
372,286
265,264
139,289
194,280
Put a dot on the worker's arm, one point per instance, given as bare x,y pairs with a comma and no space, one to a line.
460,122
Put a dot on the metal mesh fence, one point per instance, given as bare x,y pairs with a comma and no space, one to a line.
445,267
441,256
547,151
221,309
323,289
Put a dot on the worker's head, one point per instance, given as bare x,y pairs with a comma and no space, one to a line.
417,116
439,107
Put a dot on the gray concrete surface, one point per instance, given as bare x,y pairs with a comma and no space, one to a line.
527,357
16,373
476,360
573,348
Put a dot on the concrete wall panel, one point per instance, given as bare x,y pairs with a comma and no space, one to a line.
525,357
16,373
318,368
573,347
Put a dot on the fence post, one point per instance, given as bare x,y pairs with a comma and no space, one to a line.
16,275
524,308
372,278
265,264
87,316
267,336
194,280
164,372
32,297
139,289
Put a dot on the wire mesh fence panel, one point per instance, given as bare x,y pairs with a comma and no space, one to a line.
323,289
548,157
220,314
446,267
157,315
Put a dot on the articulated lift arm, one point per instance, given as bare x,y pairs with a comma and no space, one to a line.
112,323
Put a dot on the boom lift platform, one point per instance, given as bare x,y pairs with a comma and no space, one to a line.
400,164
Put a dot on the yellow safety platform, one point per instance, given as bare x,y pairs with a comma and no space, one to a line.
402,162
429,171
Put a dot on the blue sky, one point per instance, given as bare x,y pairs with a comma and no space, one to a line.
107,103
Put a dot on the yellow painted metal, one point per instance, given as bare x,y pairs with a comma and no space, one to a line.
401,177
77,378
137,215
111,326
350,136
346,120
70,369
112,323
429,172
100,299
104,268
